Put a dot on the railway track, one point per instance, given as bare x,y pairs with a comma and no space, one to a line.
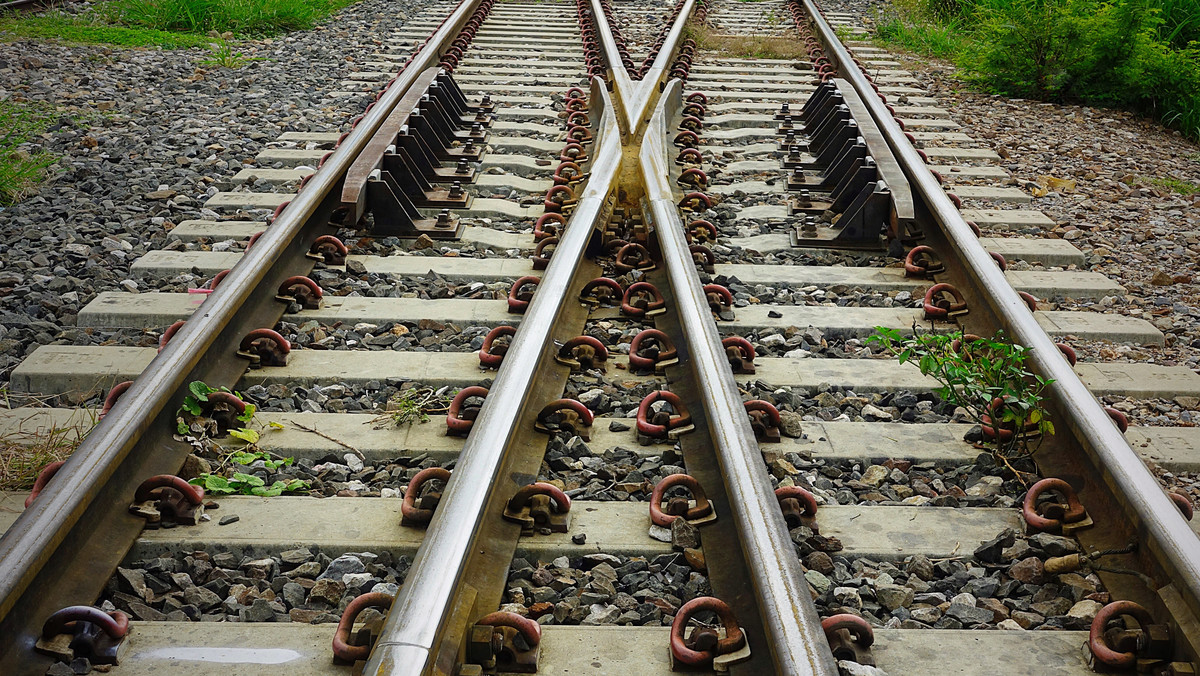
600,476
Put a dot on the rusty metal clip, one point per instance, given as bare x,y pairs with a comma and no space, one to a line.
298,289
720,301
521,293
84,631
850,638
633,256
696,511
543,251
343,650
329,250
643,299
540,506
740,353
661,424
264,347
461,415
582,353
170,496
505,642
943,301
764,420
799,507
923,262
1116,644
705,647
414,514
567,415
652,350
601,291
1054,517
495,346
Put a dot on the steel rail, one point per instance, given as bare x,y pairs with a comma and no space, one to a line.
1172,542
42,528
789,615
424,605
634,98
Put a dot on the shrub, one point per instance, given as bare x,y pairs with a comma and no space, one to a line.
1138,54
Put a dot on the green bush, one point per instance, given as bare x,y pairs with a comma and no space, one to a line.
1138,54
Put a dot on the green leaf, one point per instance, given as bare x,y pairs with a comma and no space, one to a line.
274,425
248,435
268,492
182,428
192,405
215,483
248,414
247,479
243,458
200,390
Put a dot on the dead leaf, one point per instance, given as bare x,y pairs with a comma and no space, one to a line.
1056,184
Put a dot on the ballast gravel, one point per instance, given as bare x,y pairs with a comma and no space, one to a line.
1004,584
298,585
144,137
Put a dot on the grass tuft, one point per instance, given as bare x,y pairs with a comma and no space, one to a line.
24,453
77,30
244,17
21,170
747,47
1186,188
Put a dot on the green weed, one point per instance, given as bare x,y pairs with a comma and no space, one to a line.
245,17
229,480
21,170
224,56
987,377
1175,185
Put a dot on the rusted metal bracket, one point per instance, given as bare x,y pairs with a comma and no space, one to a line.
168,496
84,631
540,507
863,192
503,642
850,638
1118,644
704,647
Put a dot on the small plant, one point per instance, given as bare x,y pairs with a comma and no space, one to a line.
1176,185
199,392
224,56
240,483
987,377
414,406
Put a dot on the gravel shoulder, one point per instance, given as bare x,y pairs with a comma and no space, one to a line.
144,137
